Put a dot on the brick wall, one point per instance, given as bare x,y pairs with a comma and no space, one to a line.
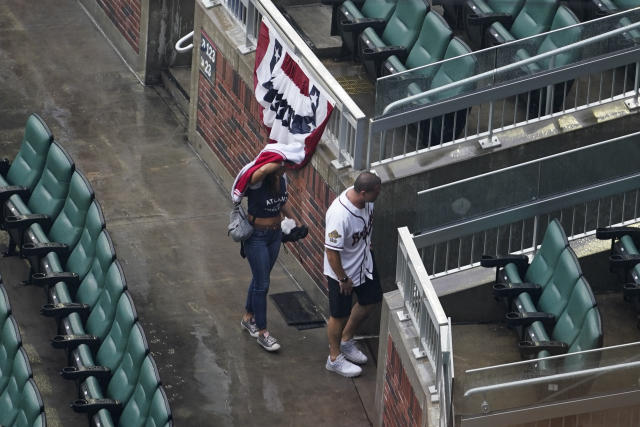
125,15
401,407
228,120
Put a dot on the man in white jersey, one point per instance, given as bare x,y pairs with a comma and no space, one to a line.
348,265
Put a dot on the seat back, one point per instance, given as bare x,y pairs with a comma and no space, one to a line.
67,226
508,7
534,18
378,9
27,167
114,343
432,42
589,338
5,307
160,412
553,243
91,286
564,17
457,69
123,379
10,344
50,192
12,393
555,295
30,408
627,4
570,322
136,409
83,253
404,24
103,311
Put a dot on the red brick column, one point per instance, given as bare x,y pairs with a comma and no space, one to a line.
401,407
125,15
228,118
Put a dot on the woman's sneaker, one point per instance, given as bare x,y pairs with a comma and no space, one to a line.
343,367
268,342
251,327
352,352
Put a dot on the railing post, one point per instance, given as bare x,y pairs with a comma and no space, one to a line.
359,143
634,104
490,140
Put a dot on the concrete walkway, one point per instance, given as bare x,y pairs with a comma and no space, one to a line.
167,217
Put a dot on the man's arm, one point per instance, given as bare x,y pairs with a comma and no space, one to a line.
336,265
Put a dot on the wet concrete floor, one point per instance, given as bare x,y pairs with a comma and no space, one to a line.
167,217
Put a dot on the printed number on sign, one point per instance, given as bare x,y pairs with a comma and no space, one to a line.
205,66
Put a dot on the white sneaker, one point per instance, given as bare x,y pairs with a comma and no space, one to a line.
343,367
352,352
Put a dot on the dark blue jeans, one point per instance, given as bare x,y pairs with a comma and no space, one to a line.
262,250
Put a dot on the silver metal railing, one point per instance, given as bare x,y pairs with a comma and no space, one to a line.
504,94
507,211
428,317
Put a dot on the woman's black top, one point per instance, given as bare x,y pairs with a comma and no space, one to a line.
263,204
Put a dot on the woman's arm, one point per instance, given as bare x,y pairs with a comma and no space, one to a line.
286,210
265,170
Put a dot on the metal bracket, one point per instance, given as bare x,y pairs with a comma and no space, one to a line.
632,103
402,315
489,143
210,3
435,396
418,353
340,164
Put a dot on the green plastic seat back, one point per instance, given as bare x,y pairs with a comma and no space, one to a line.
83,253
5,307
124,377
534,18
455,69
555,294
114,343
564,17
10,342
104,310
570,322
30,407
627,4
27,167
432,42
508,7
404,24
589,338
542,264
68,225
51,190
160,412
137,408
378,9
11,395
91,286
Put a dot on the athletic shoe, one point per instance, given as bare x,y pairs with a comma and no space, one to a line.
268,342
251,327
352,352
343,367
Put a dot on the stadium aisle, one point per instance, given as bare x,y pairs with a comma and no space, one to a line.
167,217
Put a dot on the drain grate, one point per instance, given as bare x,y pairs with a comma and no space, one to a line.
354,85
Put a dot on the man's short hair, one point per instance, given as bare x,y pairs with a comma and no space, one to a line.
366,181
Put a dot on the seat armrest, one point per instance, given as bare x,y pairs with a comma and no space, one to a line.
359,25
606,233
630,290
515,318
495,38
488,19
10,190
91,406
47,280
81,373
624,262
602,9
528,348
379,54
40,249
512,290
521,261
64,309
72,341
21,222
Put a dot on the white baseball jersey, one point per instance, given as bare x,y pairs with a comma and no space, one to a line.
348,230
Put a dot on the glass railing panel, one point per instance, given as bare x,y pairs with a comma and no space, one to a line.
543,381
390,89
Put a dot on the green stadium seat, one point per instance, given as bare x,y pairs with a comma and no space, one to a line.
5,306
607,7
534,18
160,412
350,18
30,407
398,36
479,14
10,344
46,199
11,396
21,175
430,46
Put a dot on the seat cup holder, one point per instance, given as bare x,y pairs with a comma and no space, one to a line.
616,257
68,370
499,286
37,275
58,338
48,306
525,344
630,286
512,315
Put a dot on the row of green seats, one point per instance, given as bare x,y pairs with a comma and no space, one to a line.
20,401
61,230
552,304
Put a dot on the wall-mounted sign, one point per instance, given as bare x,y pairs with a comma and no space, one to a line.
207,57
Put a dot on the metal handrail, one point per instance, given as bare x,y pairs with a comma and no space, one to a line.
508,67
183,40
